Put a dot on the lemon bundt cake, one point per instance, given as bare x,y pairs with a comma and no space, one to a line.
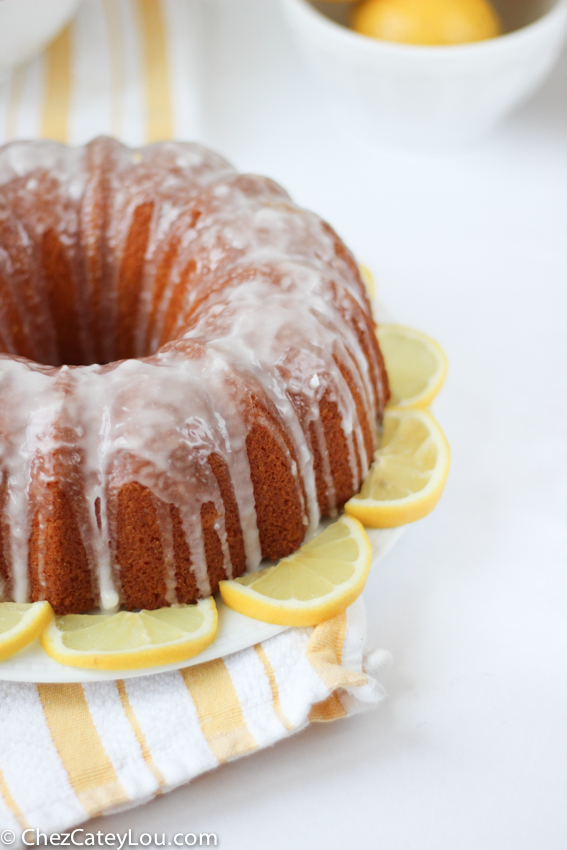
190,376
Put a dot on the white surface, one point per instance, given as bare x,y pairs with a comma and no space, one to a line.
470,753
27,25
235,632
414,96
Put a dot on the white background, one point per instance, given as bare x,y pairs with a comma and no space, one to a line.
470,752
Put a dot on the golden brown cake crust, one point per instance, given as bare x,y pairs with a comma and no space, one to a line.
190,376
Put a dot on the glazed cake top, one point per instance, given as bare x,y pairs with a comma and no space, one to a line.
195,300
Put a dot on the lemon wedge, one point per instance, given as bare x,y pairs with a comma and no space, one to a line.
20,624
427,22
367,279
320,580
415,363
408,476
128,641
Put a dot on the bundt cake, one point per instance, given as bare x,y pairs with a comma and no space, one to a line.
190,376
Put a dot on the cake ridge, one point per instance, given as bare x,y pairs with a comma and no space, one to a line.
243,387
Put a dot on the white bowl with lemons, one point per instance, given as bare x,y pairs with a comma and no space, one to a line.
423,94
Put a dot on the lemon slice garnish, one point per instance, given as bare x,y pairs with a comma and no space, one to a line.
367,279
128,641
415,364
408,476
320,580
20,624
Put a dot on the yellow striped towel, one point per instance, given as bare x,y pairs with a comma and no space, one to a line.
72,752
126,68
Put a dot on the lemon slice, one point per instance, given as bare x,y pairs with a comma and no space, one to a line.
128,641
408,476
320,580
367,279
20,624
415,364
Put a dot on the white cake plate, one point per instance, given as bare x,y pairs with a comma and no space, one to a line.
235,632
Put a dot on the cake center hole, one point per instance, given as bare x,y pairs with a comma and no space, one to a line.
77,310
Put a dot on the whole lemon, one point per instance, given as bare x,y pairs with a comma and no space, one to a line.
432,22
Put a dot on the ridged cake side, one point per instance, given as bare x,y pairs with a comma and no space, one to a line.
242,386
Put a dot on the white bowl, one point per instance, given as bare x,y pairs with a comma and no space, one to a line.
413,96
26,26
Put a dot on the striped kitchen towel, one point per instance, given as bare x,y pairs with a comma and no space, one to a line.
125,68
72,752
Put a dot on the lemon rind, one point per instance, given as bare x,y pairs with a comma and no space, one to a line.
252,604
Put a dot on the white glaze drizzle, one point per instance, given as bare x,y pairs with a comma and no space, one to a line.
272,330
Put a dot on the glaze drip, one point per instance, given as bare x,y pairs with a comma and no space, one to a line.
200,379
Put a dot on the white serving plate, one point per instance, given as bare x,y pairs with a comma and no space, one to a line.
235,632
